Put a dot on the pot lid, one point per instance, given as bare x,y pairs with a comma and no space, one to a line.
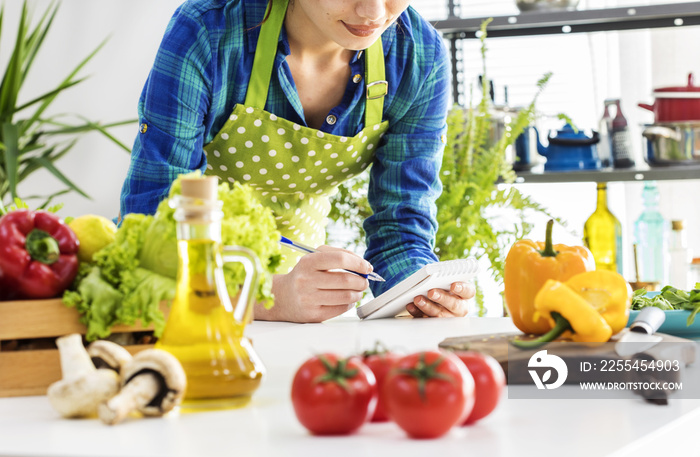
689,88
568,136
568,132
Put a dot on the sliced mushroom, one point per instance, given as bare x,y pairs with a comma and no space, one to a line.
83,387
106,354
152,383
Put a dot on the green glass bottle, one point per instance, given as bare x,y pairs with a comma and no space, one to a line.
602,234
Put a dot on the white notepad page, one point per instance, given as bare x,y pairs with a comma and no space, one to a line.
439,275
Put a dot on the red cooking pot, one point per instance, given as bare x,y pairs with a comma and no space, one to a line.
676,104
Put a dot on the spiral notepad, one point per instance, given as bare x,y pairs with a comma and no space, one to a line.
439,275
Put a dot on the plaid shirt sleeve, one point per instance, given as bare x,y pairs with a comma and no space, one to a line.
404,180
171,110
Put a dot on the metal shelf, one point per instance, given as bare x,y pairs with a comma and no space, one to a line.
594,20
675,172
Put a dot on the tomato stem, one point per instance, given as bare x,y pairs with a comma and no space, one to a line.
338,373
379,349
424,372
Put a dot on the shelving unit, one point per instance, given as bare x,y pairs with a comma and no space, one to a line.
671,172
669,15
578,21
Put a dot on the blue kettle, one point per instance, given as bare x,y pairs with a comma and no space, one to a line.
570,150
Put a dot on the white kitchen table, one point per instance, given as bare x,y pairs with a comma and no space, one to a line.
268,427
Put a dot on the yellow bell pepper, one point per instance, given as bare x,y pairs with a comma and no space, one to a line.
528,266
589,307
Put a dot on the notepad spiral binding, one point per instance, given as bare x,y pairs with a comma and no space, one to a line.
453,267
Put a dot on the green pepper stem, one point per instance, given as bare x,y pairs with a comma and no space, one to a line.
561,324
548,250
42,247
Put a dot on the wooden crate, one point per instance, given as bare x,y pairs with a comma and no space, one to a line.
30,372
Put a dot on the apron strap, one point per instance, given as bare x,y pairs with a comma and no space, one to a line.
377,86
266,50
265,53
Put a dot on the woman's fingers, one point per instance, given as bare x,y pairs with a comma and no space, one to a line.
328,258
443,303
462,289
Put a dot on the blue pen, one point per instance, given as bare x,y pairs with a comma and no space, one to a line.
308,250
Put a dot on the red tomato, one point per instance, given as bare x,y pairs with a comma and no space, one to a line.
489,380
380,362
428,393
333,396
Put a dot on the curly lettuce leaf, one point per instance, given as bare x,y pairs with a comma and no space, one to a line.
246,222
97,301
144,291
123,253
135,273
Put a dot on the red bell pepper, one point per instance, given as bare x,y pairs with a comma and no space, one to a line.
38,255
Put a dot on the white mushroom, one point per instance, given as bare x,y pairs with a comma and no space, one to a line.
83,387
152,383
106,354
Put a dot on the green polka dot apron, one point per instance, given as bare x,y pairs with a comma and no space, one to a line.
293,168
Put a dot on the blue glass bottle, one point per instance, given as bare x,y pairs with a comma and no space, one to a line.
649,231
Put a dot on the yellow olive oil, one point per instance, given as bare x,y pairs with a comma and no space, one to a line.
602,234
204,330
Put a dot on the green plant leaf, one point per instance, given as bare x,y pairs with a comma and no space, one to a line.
11,156
55,171
68,80
36,38
35,141
12,79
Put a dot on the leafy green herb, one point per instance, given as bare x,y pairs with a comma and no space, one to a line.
670,298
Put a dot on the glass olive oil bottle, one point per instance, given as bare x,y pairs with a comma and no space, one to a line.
602,234
204,330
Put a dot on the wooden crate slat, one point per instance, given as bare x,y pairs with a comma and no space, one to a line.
31,372
48,318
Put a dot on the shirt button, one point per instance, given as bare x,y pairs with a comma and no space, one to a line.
331,119
357,78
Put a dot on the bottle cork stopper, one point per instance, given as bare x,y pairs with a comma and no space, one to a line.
677,225
205,188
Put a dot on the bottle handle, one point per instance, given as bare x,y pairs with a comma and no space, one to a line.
251,264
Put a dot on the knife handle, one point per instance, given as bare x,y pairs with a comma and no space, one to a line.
648,320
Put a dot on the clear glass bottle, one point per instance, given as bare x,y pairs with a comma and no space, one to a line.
602,234
649,233
204,330
680,258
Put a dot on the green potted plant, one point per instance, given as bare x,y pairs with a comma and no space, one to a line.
30,138
472,200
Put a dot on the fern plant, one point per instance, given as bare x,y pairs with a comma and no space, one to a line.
472,207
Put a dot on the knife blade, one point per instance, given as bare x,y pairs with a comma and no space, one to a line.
640,335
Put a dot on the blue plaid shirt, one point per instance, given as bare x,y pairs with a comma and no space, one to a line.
202,70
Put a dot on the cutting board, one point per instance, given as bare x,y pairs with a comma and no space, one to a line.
576,355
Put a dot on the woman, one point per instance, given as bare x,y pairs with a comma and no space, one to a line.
292,101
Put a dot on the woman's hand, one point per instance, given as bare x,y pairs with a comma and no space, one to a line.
311,292
443,303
